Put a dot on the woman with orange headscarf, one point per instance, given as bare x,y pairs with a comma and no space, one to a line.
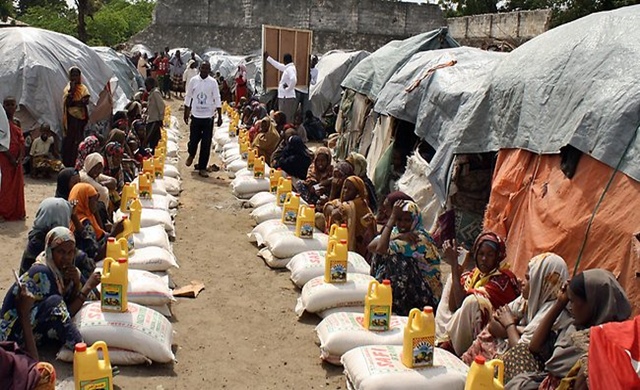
353,210
75,116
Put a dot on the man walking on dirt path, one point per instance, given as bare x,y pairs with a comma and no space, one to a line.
201,102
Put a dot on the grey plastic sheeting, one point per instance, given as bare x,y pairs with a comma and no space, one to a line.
185,54
333,67
34,69
577,84
129,79
142,49
372,73
227,65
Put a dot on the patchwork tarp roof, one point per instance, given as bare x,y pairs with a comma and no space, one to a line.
35,66
576,84
333,67
372,73
129,78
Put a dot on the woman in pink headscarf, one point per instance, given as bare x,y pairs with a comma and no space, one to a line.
241,83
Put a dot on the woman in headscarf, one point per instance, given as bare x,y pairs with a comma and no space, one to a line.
295,158
67,178
477,293
241,83
385,210
352,209
12,205
267,138
85,199
58,292
92,173
284,141
113,153
516,322
407,255
91,144
596,298
75,115
359,163
318,181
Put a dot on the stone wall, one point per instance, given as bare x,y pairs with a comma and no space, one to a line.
511,29
236,26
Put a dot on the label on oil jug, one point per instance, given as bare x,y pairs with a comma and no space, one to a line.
283,198
290,216
258,174
112,297
95,384
144,194
423,351
130,243
379,318
338,271
306,230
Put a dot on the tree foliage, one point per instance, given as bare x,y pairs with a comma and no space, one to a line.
106,22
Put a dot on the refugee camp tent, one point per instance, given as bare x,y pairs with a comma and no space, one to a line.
333,67
129,79
34,70
364,83
564,110
227,65
185,54
142,49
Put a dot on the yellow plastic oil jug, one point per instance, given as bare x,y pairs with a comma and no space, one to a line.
127,233
274,177
419,339
144,186
251,158
335,262
158,164
114,284
290,209
129,193
284,187
136,215
306,221
339,233
244,148
258,168
482,375
117,249
89,371
377,305
148,167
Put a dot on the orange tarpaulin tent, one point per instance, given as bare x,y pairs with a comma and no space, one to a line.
539,209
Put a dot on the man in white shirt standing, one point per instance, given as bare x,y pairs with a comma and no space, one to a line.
287,102
201,102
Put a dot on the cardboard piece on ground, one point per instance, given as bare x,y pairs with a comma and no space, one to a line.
190,291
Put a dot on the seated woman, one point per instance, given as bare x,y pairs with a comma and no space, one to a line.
319,176
596,298
516,322
284,141
359,163
113,154
406,254
352,209
58,293
267,139
91,144
295,158
86,209
52,213
92,173
384,212
341,171
477,293
67,178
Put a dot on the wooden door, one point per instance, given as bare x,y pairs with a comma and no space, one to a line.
278,41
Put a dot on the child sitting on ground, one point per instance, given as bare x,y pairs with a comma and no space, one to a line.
44,154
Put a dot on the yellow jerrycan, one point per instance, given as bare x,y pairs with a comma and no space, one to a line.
244,148
481,375
136,215
419,339
258,168
144,186
158,165
114,284
284,187
306,221
117,249
129,193
148,167
251,159
377,305
274,177
127,233
290,209
339,233
335,262
89,371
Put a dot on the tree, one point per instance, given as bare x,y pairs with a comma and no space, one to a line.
59,18
6,9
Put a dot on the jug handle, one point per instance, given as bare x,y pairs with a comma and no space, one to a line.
331,247
500,365
334,227
106,265
372,285
102,346
124,246
288,197
413,314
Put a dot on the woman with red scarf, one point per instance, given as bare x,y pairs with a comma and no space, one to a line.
241,83
12,207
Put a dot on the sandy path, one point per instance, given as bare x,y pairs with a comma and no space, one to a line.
241,332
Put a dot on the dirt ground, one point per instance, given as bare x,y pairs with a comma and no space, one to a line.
241,331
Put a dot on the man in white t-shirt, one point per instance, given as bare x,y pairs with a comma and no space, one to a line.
201,102
287,102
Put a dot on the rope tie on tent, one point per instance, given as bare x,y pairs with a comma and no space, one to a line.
595,210
416,83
